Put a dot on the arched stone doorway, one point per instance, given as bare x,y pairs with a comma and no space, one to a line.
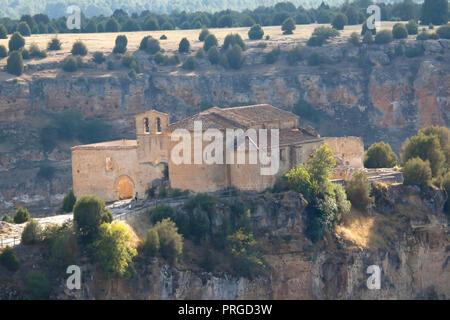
125,188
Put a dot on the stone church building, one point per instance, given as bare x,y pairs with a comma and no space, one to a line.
118,169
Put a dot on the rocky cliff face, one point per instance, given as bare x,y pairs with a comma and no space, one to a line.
388,100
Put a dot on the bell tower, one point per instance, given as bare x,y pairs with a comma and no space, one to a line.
151,135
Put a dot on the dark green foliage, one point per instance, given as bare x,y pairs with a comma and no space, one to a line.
446,187
24,29
38,286
91,27
380,155
231,40
32,233
22,215
121,44
89,213
54,44
70,64
68,202
3,51
365,29
62,244
213,55
9,260
3,32
352,15
412,52
412,27
15,63
354,39
151,245
288,26
272,56
203,34
225,21
306,110
112,25
368,38
35,52
184,46
339,21
6,218
434,11
161,212
255,32
152,46
295,55
25,54
302,18
190,64
163,37
79,48
99,57
427,36
316,59
16,42
417,172
358,191
399,31
383,37
321,34
130,61
444,31
151,24
46,172
163,239
234,57
200,54
210,41
144,42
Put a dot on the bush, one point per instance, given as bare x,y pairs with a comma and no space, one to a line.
203,34
295,55
35,52
16,42
368,38
3,32
255,32
210,41
412,27
9,260
121,44
70,64
6,218
434,11
358,191
417,172
200,54
32,233
54,44
152,46
3,51
24,29
113,249
129,61
316,59
170,241
144,41
99,57
234,57
399,31
22,215
161,212
444,31
190,64
163,37
380,155
151,24
412,52
231,40
68,202
354,39
79,49
288,26
321,34
89,213
14,63
213,55
339,21
62,245
383,37
38,286
184,46
112,25
302,18
365,29
151,245
272,56
25,54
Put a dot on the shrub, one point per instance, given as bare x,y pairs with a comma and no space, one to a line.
161,212
444,31
368,38
190,64
121,44
288,26
255,32
234,57
302,18
380,155
321,35
16,42
200,54
210,41
129,61
112,25
79,48
25,54
412,27
54,44
306,110
358,191
151,245
70,64
113,249
339,21
152,46
354,39
99,57
184,46
63,248
316,59
14,64
6,218
383,37
365,29
231,40
38,286
412,52
315,41
151,24
68,202
170,241
213,55
32,233
3,51
22,215
163,37
9,260
143,44
203,34
295,55
35,52
24,29
443,134
89,213
3,32
417,172
272,56
399,31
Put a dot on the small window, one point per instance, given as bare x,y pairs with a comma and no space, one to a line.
146,126
158,125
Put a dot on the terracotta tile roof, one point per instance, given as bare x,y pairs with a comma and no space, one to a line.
238,117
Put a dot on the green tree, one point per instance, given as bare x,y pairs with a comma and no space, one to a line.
24,29
121,44
232,40
184,46
99,57
70,64
112,25
170,241
152,46
234,57
203,34
339,21
443,134
399,31
16,42
358,191
113,249
79,48
3,51
210,41
68,202
151,24
9,260
54,44
288,26
91,27
151,245
6,218
161,212
417,172
14,64
444,31
380,155
190,64
213,55
412,27
383,37
3,32
32,233
22,215
89,213
38,286
255,32
435,12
